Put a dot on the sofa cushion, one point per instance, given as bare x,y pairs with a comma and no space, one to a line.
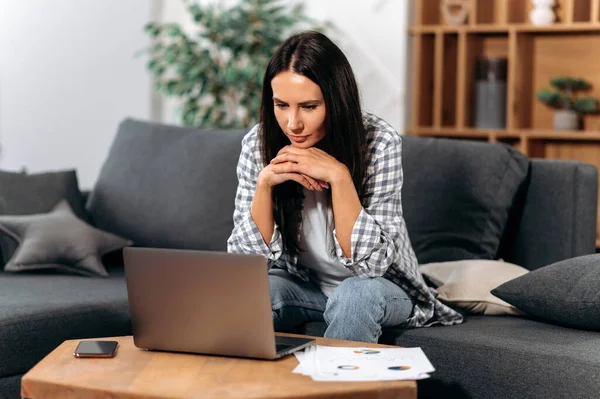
467,284
458,195
38,312
167,186
558,220
58,240
26,194
504,356
566,292
10,387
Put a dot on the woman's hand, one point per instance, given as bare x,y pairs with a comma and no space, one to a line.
311,162
267,177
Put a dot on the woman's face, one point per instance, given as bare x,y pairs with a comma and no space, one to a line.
299,108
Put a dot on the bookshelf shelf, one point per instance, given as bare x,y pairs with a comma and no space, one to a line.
506,28
550,135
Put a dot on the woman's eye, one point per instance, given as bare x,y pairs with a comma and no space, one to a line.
281,105
310,107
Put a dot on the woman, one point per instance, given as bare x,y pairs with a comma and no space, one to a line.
319,196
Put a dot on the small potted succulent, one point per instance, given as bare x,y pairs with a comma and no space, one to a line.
569,105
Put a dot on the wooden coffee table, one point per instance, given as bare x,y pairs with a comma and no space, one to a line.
136,373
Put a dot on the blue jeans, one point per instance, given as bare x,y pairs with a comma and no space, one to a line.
357,310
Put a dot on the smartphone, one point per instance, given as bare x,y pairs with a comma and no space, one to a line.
96,349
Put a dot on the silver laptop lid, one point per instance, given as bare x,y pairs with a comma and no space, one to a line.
200,302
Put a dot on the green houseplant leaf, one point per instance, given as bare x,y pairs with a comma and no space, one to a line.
564,95
217,72
585,105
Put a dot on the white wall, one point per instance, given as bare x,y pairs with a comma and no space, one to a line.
68,76
372,34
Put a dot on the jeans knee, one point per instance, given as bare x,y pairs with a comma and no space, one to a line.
355,298
359,290
276,288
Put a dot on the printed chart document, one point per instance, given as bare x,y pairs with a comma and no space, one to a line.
327,363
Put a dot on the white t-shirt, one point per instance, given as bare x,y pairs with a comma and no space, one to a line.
316,237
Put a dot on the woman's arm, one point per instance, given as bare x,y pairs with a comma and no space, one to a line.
262,211
379,236
246,236
346,208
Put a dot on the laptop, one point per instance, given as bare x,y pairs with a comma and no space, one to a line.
203,302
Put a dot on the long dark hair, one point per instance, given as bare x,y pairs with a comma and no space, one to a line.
315,56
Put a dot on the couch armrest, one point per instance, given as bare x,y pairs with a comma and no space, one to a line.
559,214
85,194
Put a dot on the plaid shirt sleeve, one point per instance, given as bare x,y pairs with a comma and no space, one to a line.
245,237
378,238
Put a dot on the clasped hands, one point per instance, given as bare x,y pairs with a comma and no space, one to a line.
311,167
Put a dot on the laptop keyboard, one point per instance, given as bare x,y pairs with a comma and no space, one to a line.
282,347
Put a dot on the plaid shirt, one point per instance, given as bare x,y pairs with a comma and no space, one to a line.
379,241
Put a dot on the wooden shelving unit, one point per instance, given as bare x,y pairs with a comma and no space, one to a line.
443,74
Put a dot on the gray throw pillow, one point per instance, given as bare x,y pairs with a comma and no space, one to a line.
168,186
458,196
27,194
58,240
566,292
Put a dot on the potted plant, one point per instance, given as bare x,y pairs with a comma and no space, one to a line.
217,73
569,105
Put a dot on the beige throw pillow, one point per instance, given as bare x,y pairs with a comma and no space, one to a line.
467,284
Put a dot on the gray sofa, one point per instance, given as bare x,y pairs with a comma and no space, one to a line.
174,187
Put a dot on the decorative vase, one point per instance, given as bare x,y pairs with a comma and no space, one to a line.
455,12
490,92
566,119
542,13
